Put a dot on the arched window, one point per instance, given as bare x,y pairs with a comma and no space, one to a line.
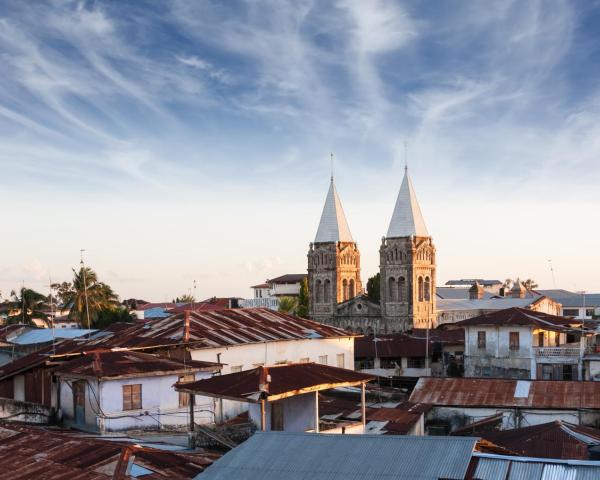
345,290
420,289
351,293
319,290
427,289
392,292
401,289
327,294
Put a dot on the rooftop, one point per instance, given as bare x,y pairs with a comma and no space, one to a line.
289,278
333,226
404,344
267,455
33,452
457,293
556,439
277,382
492,467
407,219
119,364
493,303
45,335
520,316
488,392
467,282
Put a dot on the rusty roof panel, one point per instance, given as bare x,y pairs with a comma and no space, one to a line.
33,452
520,316
125,363
475,392
284,378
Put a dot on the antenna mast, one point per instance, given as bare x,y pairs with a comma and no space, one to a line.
552,271
331,159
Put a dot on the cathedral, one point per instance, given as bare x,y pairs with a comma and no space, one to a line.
406,267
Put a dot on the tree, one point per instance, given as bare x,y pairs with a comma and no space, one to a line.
530,284
288,305
373,288
26,306
62,292
186,298
507,285
302,309
108,316
99,297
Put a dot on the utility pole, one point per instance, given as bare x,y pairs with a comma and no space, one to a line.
87,307
582,340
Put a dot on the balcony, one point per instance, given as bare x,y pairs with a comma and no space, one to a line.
555,352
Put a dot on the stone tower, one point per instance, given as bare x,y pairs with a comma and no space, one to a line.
333,262
407,267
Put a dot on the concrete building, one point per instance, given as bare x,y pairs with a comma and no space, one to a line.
266,295
119,391
461,401
523,344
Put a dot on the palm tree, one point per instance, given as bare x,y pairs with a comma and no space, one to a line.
99,297
26,306
530,284
288,305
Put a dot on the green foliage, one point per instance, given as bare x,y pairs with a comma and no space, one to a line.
186,298
288,305
530,284
106,317
26,306
302,310
373,288
62,292
99,297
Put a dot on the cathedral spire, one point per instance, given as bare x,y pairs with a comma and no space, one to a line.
333,226
407,219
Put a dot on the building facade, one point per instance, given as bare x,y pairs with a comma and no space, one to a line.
407,271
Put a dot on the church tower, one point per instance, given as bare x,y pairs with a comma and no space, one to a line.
333,262
407,267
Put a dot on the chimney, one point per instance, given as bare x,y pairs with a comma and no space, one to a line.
186,326
476,291
518,290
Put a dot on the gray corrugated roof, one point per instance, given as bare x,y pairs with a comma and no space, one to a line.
333,226
407,218
493,467
309,456
451,304
457,293
44,335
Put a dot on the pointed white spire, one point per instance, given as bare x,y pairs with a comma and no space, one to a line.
407,219
333,226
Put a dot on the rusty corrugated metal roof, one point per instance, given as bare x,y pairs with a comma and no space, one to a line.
520,316
284,379
128,364
412,344
488,392
32,452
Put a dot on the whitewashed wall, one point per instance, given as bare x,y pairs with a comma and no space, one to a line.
160,404
249,356
298,413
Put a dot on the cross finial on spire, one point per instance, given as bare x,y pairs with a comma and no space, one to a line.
331,157
405,156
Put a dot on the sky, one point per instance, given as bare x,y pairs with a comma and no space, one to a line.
188,141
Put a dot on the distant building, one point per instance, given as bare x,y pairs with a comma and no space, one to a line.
491,286
266,295
583,306
461,401
520,343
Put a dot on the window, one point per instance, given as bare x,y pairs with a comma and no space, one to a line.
540,339
420,289
556,339
481,340
236,368
390,362
340,360
589,312
513,340
351,288
327,293
304,360
570,312
415,362
401,287
345,289
392,289
427,289
184,398
319,291
323,359
132,397
363,363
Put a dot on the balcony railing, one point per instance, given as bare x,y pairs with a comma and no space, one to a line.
557,351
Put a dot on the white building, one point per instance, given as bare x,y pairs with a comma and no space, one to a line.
266,295
122,390
523,344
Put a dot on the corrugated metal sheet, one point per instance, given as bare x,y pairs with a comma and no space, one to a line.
491,469
487,392
302,456
496,467
45,335
35,453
